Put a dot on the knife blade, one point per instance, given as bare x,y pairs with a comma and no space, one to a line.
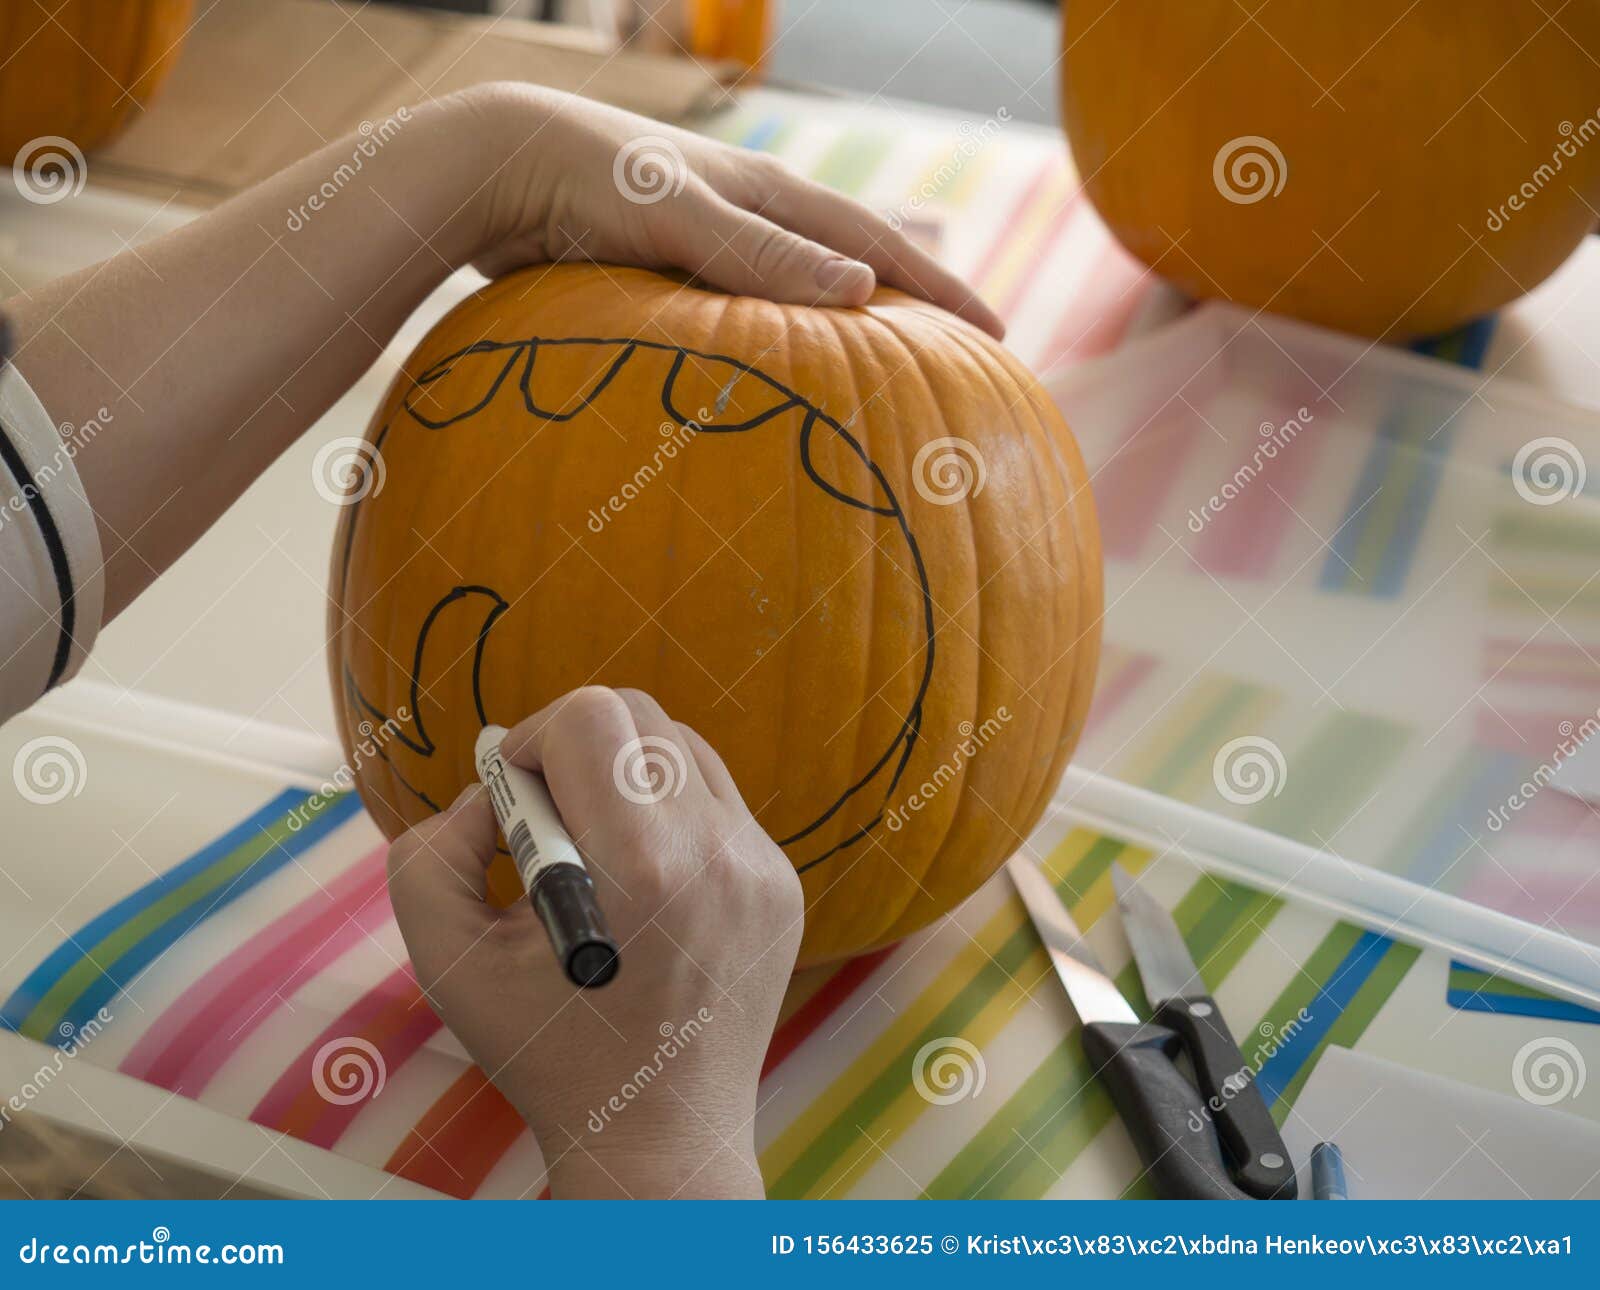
1162,1111
1094,995
1176,991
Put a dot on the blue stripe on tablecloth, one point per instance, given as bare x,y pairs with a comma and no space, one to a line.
66,956
1279,1070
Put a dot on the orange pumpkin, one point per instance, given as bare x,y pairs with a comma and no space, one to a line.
854,548
77,69
1383,168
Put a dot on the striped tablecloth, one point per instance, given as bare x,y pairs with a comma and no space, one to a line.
229,958
948,1066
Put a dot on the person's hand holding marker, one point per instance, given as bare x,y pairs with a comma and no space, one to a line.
648,1086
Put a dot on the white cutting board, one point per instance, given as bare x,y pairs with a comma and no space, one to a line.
1409,1135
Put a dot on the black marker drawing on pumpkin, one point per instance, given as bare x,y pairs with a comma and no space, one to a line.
477,599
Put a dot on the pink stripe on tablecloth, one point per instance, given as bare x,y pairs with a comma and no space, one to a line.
206,1025
1098,315
1510,660
1131,489
1061,226
307,1099
986,262
1114,690
1566,900
1533,735
1243,539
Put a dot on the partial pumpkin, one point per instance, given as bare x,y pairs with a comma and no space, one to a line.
79,69
1385,168
854,548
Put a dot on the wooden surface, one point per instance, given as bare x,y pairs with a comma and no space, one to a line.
261,83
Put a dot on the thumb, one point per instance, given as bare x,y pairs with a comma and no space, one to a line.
743,253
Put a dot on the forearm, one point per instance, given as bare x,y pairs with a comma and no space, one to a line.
215,346
696,1165
686,1131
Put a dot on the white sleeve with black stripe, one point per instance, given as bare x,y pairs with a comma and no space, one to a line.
52,589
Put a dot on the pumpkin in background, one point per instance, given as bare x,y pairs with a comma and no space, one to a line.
853,548
78,69
1356,164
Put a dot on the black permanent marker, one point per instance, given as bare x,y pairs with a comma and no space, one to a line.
552,870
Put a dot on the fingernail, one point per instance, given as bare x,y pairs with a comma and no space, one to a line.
462,797
840,274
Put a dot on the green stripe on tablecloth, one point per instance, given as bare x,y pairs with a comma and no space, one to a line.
1197,745
1545,594
1061,1104
1474,981
851,160
1346,1032
1241,914
1333,772
207,889
1304,987
1546,529
844,1131
1060,1108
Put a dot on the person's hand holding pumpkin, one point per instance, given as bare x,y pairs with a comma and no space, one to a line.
281,297
647,1086
594,183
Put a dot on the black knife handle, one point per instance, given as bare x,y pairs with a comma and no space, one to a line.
1228,1085
1164,1113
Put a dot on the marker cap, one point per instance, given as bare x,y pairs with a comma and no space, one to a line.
563,895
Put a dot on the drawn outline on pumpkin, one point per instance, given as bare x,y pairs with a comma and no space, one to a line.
911,725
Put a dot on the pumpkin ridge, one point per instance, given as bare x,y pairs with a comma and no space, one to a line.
1023,790
912,359
828,325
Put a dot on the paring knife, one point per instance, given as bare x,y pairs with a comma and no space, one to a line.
1163,1112
1174,987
